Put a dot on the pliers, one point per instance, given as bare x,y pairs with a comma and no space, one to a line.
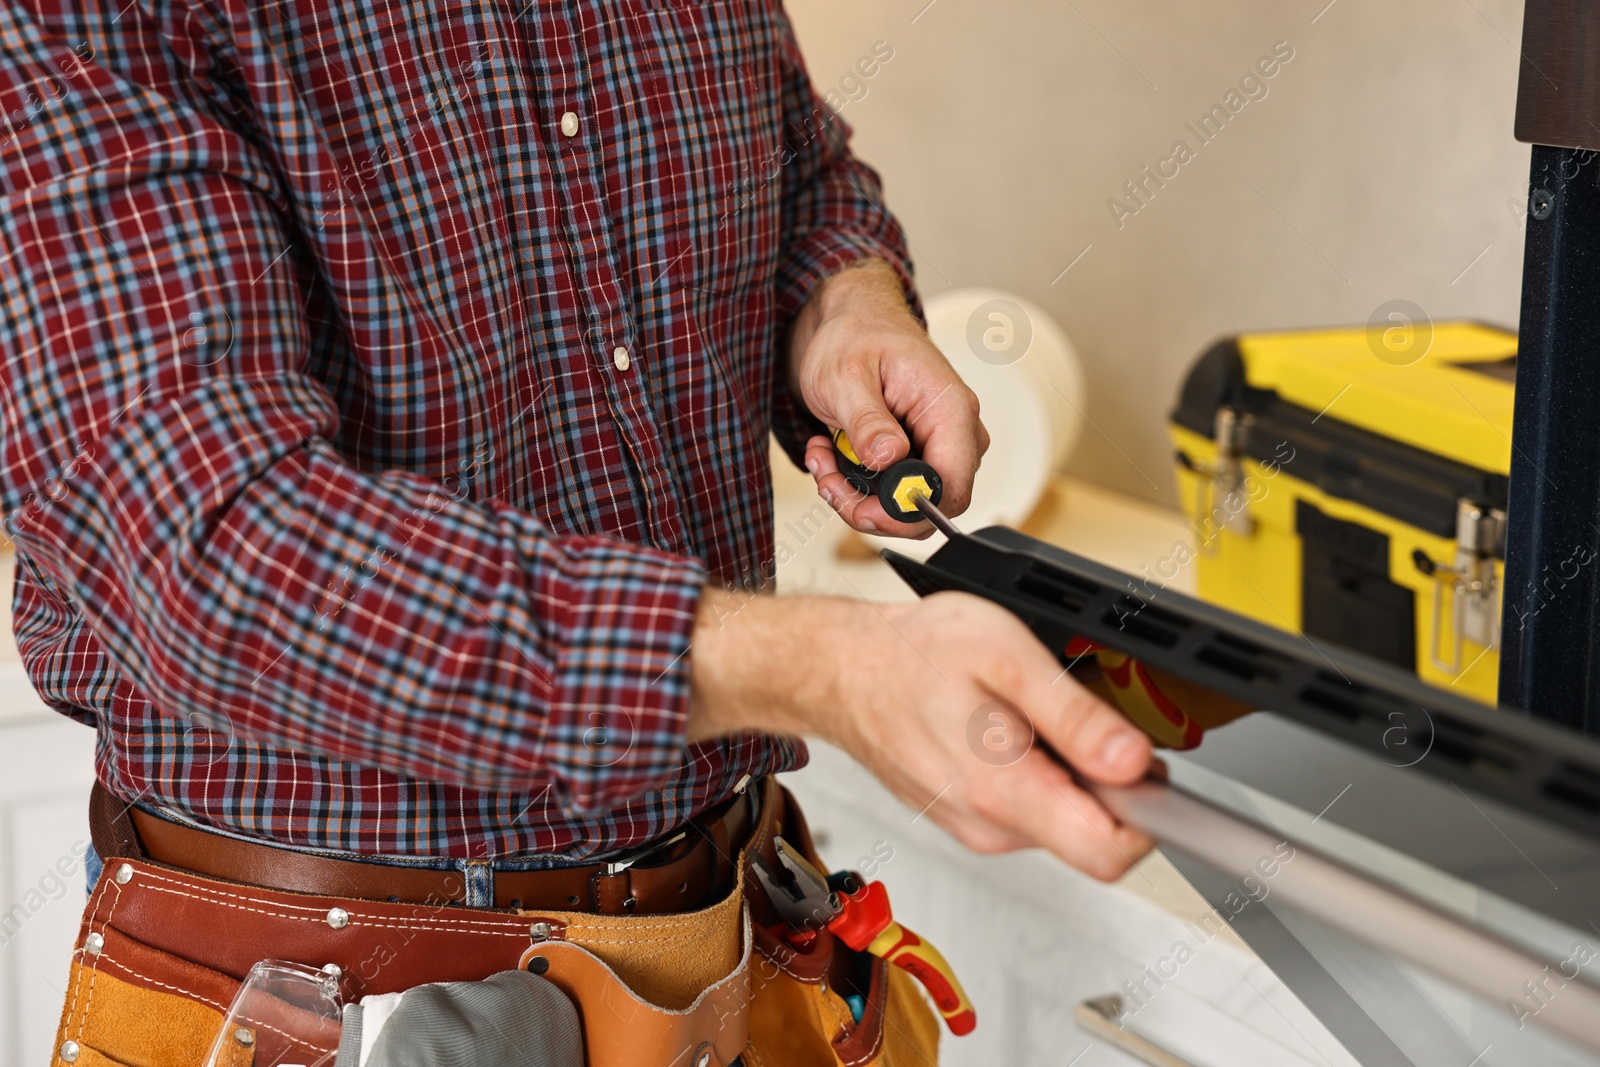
857,912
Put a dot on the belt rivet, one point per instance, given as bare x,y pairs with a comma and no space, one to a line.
94,943
539,931
124,874
244,1037
69,1051
338,918
333,970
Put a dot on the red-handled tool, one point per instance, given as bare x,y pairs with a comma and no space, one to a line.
861,918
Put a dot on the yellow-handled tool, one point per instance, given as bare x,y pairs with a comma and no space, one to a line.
898,487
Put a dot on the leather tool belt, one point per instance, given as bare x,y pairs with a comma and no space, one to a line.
689,869
162,950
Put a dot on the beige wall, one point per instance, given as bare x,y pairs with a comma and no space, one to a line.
1381,158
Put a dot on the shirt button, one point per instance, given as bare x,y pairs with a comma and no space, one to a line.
619,356
569,124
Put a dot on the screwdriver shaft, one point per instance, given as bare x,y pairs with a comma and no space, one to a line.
935,516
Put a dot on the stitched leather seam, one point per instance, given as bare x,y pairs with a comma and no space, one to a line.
94,971
797,976
316,914
841,1013
877,1046
77,979
355,920
883,1028
155,877
207,894
191,995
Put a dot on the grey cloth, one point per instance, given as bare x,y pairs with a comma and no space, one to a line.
511,1019
349,1054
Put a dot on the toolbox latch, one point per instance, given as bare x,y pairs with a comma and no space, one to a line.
1229,506
1480,539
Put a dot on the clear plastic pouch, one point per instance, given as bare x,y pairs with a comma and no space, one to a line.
287,1013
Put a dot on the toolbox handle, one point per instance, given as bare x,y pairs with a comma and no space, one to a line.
1358,905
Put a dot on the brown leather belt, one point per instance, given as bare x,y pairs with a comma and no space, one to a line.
690,868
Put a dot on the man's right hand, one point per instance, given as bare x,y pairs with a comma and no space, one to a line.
915,692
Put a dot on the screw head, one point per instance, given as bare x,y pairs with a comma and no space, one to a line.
94,943
338,918
244,1037
69,1051
124,874
1541,203
539,931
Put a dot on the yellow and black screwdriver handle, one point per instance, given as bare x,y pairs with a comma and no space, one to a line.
896,488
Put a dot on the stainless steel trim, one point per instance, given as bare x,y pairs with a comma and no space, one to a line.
1360,907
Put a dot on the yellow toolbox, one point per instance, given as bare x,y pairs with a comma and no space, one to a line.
1350,485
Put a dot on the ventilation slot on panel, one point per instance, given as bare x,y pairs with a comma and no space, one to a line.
1237,663
1335,696
1082,586
1053,593
1469,748
1576,787
1140,620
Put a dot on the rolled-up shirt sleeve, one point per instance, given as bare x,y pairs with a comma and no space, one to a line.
833,216
172,469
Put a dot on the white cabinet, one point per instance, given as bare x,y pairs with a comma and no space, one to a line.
48,765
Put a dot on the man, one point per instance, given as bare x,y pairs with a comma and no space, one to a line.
387,391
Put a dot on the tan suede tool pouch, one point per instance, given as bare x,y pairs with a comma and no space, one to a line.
800,1017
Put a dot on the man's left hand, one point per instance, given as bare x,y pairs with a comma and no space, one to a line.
858,359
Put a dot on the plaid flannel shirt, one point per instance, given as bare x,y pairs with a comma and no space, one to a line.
382,383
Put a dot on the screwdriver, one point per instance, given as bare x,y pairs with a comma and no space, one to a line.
908,490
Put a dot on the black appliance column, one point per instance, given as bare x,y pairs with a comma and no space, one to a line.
1550,656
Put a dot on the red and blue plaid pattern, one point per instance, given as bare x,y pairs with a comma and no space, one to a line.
339,512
